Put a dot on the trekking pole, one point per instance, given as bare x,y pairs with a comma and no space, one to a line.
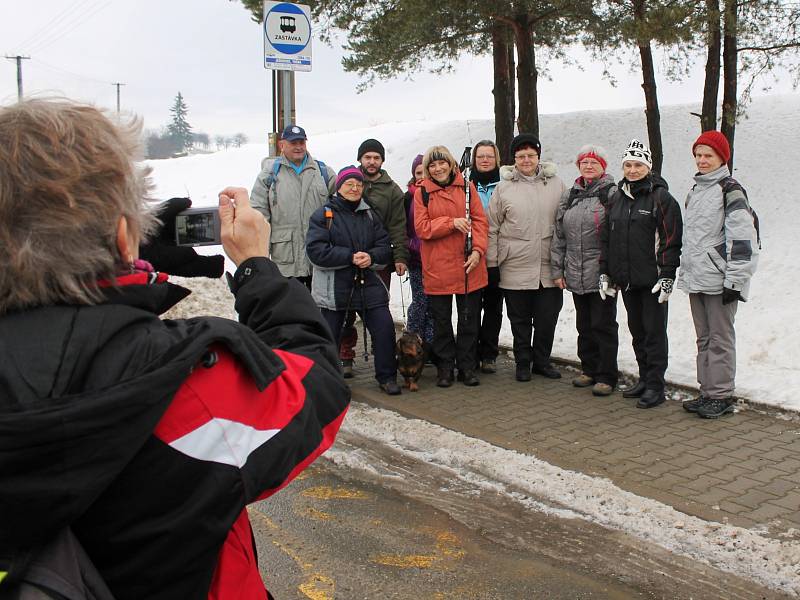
347,307
360,277
465,171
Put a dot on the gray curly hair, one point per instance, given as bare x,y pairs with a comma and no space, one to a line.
67,175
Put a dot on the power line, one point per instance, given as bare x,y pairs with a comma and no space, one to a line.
47,42
51,67
44,29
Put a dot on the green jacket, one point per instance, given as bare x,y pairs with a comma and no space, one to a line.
288,203
386,199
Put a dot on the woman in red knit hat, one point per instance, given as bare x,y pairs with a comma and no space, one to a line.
720,253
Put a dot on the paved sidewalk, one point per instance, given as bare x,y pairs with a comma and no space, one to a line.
743,469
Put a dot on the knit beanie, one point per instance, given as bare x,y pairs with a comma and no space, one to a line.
717,142
415,163
371,145
526,139
349,172
639,152
596,152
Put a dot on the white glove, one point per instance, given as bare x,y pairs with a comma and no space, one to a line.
665,287
606,289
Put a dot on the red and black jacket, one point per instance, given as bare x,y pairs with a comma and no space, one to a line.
148,437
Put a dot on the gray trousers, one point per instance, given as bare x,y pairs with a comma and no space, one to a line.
716,344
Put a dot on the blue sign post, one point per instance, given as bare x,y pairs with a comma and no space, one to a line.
287,36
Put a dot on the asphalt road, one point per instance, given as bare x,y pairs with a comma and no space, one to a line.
404,529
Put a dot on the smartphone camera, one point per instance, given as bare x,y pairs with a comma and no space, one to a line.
197,227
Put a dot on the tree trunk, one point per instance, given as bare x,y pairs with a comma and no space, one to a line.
708,118
512,82
527,76
503,90
650,91
729,59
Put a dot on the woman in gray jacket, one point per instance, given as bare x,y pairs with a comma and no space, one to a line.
575,257
720,253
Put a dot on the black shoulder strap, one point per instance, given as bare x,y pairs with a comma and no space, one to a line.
426,197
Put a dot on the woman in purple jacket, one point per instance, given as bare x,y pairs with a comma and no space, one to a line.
419,316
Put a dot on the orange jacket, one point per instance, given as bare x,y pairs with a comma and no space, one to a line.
442,246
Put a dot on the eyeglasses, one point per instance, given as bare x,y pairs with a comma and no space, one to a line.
353,184
530,156
590,163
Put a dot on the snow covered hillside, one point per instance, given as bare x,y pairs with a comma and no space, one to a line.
767,152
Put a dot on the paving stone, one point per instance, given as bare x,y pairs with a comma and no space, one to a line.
748,465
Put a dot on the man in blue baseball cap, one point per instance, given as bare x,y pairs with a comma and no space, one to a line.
287,191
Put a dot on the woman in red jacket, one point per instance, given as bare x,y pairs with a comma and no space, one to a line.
443,219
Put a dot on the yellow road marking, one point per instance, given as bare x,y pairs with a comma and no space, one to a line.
317,514
325,492
318,587
410,561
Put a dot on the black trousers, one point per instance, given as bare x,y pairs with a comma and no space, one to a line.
461,349
598,339
380,325
647,321
491,322
533,314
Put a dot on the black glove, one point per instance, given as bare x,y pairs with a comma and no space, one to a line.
494,276
183,261
729,295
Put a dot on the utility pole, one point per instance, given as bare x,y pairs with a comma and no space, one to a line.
19,60
117,86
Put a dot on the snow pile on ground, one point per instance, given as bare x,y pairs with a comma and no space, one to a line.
747,553
766,147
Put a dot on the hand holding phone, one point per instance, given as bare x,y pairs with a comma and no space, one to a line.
244,230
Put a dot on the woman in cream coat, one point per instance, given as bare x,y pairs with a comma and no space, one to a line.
522,215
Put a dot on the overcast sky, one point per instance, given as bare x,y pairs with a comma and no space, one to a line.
212,52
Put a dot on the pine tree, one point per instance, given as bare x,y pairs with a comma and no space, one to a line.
179,129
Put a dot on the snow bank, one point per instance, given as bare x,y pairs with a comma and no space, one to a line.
767,339
570,494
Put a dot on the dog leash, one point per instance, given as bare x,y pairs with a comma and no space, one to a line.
403,302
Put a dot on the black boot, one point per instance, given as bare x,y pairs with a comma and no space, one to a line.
636,391
468,378
444,377
650,399
523,372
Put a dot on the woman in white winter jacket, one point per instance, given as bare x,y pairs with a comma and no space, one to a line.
522,215
720,253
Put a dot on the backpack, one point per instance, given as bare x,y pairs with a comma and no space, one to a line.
58,569
276,166
729,184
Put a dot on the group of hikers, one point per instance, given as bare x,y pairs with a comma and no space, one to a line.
518,235
131,445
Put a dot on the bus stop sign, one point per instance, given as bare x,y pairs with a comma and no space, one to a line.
287,36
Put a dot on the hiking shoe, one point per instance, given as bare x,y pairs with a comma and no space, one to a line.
583,380
347,368
523,372
602,389
444,377
488,366
548,371
391,388
714,408
692,405
635,391
468,378
650,399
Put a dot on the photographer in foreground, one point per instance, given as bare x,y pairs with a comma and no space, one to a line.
138,440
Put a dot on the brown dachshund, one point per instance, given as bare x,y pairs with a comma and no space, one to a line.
410,358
